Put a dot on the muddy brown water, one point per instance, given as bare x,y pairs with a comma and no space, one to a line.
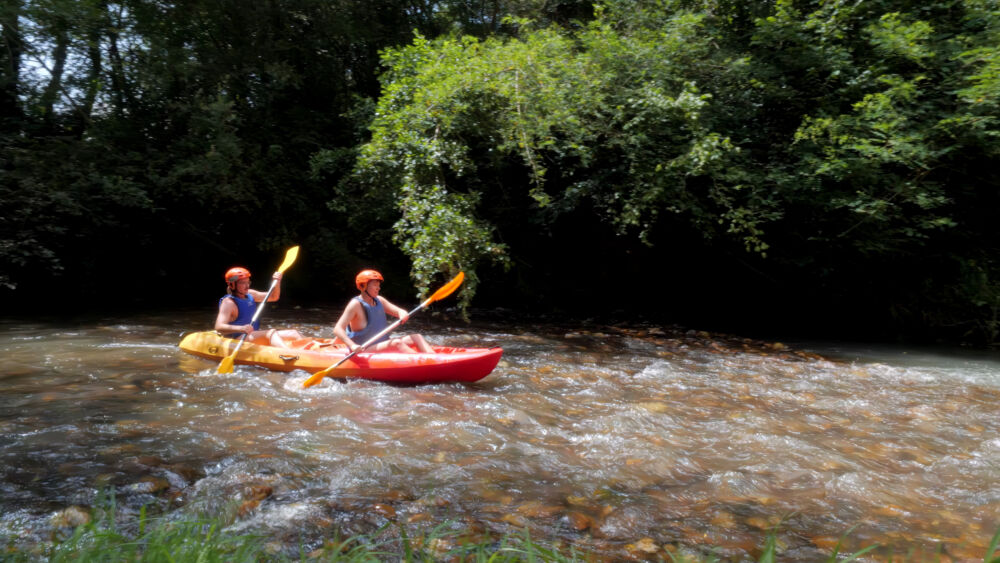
624,441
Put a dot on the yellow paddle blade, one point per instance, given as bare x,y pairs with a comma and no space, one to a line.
227,364
290,257
447,289
317,377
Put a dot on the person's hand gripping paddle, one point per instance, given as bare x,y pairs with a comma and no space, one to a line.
227,363
440,294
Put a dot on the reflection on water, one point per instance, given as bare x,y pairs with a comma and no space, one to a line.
623,441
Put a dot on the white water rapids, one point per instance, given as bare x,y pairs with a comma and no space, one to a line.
603,437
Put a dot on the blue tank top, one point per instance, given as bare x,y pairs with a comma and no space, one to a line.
376,323
246,307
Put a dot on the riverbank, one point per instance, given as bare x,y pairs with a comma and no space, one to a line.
99,535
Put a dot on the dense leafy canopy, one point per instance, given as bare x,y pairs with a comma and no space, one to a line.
835,140
837,153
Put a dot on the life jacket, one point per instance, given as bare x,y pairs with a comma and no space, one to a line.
246,307
376,323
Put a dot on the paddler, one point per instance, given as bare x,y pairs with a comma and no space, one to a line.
237,307
365,316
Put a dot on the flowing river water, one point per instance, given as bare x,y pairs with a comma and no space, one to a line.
622,441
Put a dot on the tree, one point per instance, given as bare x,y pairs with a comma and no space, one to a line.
829,139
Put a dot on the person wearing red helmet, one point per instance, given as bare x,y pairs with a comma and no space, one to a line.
365,316
237,307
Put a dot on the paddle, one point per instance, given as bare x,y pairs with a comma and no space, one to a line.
227,363
440,294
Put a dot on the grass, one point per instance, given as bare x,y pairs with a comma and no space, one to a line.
205,540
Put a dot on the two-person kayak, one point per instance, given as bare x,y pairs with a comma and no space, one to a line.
446,364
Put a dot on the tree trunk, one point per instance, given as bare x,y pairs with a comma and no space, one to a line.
10,64
54,87
119,83
93,78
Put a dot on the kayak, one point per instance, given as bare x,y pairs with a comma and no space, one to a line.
446,364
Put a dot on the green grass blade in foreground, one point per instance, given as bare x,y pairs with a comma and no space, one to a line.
992,549
518,548
163,541
770,548
853,556
857,554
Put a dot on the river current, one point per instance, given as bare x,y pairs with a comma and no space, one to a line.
624,441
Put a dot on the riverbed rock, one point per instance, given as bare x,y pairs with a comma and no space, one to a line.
418,517
433,500
149,485
654,407
643,546
149,460
185,472
724,519
439,547
763,523
396,495
536,509
496,497
966,551
578,521
826,543
70,517
515,520
258,492
246,507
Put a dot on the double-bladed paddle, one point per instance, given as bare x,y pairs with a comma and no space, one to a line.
440,294
227,363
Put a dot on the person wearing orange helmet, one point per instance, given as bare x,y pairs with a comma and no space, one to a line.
237,308
365,316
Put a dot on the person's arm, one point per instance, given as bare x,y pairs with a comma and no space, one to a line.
258,296
227,314
398,312
340,329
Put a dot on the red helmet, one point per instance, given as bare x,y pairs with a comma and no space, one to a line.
236,274
366,276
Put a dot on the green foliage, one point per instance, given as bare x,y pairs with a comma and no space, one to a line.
893,37
993,549
853,127
616,115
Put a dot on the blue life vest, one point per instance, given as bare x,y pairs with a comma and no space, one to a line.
376,323
246,307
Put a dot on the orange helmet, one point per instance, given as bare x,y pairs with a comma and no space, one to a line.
366,276
236,274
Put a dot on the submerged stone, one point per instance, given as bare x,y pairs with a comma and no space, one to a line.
70,517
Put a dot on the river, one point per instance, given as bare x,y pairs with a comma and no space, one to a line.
624,441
